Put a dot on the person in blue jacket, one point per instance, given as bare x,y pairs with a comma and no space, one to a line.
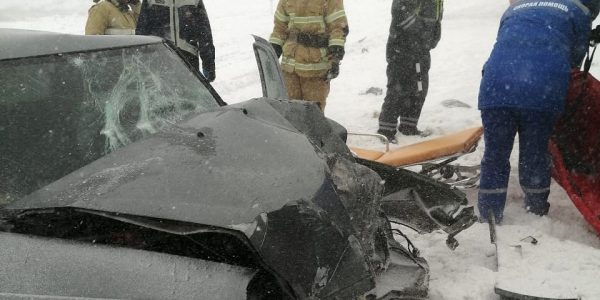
523,90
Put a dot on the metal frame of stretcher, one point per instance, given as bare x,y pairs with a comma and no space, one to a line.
434,156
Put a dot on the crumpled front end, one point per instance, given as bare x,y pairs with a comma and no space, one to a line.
339,245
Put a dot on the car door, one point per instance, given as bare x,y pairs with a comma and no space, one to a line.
270,72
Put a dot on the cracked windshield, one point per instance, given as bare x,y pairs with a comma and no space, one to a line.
65,111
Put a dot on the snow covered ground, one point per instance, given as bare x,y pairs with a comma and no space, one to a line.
568,245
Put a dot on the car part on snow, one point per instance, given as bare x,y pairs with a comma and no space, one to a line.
534,283
423,204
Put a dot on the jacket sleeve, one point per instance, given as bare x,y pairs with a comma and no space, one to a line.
97,21
206,47
136,9
337,23
583,26
280,26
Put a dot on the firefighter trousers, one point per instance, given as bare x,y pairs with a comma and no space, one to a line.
408,82
307,88
500,125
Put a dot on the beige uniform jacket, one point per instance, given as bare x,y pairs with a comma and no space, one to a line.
106,18
320,17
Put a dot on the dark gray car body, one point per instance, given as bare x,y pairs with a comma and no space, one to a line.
266,185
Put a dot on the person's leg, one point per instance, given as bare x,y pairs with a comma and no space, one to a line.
417,85
535,129
315,89
499,129
391,107
292,83
192,59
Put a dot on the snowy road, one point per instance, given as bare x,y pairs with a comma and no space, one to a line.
469,29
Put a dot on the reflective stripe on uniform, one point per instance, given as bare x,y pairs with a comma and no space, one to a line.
408,121
387,126
307,20
582,6
319,20
281,17
440,9
536,191
409,21
493,191
323,52
276,41
334,16
119,31
304,67
337,42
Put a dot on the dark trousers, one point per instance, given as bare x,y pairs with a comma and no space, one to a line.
408,81
500,127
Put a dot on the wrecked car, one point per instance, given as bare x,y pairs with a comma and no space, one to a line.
124,175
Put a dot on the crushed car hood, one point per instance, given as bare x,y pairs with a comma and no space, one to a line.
217,168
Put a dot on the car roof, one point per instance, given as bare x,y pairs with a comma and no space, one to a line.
21,43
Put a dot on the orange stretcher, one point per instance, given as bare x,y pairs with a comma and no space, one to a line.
434,155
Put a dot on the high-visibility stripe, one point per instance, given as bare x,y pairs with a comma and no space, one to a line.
412,21
408,121
387,125
536,191
409,19
337,42
119,31
305,67
492,191
334,16
281,17
302,21
323,52
307,20
582,6
276,41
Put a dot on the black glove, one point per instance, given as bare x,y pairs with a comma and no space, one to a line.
334,71
209,72
336,53
278,49
123,5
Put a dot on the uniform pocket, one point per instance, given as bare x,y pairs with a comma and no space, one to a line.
308,55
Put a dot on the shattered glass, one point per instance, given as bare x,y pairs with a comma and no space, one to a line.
60,112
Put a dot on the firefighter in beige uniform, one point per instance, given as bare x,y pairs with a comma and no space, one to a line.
311,35
113,17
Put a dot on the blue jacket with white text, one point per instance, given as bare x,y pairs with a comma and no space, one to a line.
538,44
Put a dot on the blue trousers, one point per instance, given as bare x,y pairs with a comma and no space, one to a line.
500,126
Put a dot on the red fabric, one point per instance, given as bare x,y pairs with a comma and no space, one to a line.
575,147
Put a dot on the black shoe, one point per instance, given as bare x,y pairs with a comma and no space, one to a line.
540,209
412,130
390,135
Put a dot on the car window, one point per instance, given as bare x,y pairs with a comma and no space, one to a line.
60,112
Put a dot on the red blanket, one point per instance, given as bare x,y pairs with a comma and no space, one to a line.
575,147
